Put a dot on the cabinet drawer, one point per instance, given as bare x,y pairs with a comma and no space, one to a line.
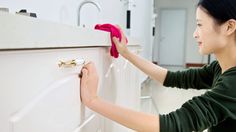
38,96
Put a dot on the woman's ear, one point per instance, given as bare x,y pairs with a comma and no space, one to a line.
230,27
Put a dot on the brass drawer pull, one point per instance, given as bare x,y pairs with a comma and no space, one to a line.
71,63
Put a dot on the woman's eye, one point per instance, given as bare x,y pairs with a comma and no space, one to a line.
199,25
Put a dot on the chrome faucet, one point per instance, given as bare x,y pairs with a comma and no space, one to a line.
87,2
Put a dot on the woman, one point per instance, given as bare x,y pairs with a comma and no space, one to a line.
215,110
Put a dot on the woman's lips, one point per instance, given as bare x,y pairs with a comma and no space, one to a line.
199,44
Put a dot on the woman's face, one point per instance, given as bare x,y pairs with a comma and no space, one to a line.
208,33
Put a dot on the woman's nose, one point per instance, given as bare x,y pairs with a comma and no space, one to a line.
195,35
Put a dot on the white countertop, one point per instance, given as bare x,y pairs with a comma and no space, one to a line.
23,32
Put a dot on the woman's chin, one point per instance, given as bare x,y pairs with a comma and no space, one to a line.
202,52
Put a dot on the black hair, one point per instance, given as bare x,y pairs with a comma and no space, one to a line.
220,10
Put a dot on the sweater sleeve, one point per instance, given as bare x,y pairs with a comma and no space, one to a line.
204,111
201,78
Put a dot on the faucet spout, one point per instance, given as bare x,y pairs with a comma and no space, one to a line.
84,3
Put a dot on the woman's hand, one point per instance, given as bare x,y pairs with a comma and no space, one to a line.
121,45
88,84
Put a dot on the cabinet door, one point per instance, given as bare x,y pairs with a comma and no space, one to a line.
57,108
38,96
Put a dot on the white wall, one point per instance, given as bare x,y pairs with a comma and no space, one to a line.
192,54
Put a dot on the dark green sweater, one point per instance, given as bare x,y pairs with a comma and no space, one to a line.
215,110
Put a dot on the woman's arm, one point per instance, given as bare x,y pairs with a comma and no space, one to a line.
138,121
155,72
135,120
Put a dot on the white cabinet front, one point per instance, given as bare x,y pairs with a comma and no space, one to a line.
38,96
56,108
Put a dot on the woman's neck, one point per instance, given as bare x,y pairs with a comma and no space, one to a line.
227,57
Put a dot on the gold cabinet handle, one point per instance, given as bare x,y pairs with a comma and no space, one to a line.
71,63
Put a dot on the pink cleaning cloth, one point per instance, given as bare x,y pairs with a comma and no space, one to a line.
114,32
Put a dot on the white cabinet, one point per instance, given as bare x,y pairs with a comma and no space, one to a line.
38,96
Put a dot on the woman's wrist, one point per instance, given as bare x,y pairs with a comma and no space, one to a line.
125,53
92,102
